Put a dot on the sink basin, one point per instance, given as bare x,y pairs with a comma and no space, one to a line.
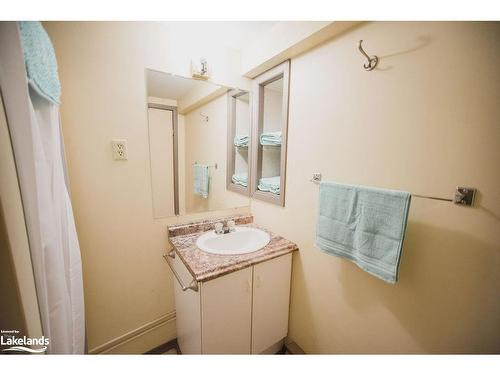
242,241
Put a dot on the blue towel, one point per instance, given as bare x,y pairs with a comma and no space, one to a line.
241,140
365,225
40,60
270,184
200,180
240,179
270,139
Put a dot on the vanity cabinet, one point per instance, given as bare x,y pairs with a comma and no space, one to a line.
243,312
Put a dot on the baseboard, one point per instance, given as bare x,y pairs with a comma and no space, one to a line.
293,348
172,344
141,339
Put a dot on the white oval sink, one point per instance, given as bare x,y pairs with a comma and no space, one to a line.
242,241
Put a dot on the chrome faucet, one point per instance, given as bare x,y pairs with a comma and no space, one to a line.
224,228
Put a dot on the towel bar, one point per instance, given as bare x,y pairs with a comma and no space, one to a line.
463,195
193,285
214,165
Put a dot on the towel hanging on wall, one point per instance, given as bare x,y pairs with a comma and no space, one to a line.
365,225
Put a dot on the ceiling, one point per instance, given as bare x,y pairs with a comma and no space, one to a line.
232,34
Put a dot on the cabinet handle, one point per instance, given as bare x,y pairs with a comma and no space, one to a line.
249,286
193,285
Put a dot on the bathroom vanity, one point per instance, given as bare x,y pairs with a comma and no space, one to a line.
230,304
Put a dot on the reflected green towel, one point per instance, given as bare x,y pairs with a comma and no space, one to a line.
270,184
200,180
365,225
240,179
270,139
241,140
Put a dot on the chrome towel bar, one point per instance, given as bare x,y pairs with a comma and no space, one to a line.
193,285
463,195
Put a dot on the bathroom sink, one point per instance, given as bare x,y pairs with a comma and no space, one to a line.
242,241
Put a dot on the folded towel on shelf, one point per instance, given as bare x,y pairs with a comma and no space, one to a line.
241,140
201,179
40,60
270,184
240,179
270,139
365,225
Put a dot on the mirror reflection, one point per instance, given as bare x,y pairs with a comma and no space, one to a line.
270,137
239,141
188,134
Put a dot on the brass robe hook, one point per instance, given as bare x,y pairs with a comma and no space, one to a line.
372,60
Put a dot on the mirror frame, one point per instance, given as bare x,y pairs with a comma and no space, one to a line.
273,74
232,96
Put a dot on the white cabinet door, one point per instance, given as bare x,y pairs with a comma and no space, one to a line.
271,300
226,305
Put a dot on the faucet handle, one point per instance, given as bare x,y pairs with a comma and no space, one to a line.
230,225
218,228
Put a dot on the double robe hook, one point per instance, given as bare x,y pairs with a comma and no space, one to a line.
372,60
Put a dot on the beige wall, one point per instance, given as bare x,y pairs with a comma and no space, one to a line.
128,289
425,121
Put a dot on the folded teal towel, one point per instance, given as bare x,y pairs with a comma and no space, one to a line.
270,184
200,180
241,140
40,60
240,179
270,139
365,225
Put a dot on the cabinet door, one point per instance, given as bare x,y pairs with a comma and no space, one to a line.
271,300
226,304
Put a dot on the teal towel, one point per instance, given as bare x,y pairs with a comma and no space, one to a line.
270,184
365,225
240,179
241,140
40,60
270,139
200,180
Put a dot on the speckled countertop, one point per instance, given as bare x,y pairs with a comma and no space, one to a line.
204,266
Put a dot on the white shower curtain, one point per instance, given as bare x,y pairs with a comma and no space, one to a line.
37,143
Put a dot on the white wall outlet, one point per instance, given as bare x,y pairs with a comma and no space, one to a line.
119,149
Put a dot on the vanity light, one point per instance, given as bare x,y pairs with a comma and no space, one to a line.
199,70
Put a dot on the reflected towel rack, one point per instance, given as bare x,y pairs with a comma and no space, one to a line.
463,195
214,165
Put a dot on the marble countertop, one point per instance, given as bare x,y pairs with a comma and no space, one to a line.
205,266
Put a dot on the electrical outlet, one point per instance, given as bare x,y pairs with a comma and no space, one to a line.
119,149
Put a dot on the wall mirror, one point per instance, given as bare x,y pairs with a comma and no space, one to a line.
238,142
270,91
188,130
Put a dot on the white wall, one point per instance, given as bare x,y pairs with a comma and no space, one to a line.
128,288
424,121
